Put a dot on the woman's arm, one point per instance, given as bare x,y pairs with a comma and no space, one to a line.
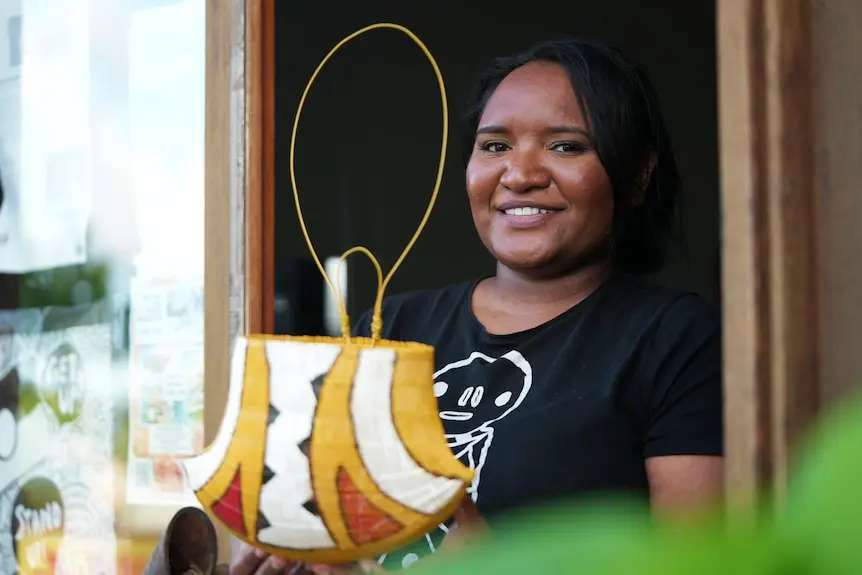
681,485
684,449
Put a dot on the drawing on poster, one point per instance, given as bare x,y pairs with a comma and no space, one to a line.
17,424
9,395
62,385
56,495
37,525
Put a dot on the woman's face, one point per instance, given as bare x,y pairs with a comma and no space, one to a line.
541,199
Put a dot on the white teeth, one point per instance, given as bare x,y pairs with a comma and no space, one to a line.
526,211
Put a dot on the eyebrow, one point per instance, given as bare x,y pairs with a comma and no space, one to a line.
552,130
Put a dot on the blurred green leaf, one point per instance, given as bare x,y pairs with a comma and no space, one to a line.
818,533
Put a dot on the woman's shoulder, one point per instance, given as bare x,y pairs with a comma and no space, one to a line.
665,308
635,320
679,369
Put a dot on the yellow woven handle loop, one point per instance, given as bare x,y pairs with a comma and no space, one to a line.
375,316
376,321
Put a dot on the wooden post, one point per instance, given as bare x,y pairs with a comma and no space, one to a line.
768,239
225,37
260,166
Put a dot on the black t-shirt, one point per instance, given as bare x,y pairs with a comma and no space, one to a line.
573,406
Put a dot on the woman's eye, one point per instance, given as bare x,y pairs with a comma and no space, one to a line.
568,147
494,147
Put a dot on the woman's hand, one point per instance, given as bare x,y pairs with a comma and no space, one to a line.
469,526
253,561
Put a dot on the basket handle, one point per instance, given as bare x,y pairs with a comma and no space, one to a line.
383,282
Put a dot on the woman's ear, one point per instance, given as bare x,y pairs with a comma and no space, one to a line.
643,178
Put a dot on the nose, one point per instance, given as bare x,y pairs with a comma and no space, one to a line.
525,172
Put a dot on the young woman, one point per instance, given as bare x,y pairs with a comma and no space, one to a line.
567,373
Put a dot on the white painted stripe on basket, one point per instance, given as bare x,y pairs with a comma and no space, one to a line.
200,469
292,367
381,448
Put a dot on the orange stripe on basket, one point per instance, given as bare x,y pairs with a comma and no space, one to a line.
365,522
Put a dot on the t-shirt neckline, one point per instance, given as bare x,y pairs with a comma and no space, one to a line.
518,336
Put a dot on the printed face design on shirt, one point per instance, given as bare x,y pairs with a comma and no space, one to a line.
475,392
472,394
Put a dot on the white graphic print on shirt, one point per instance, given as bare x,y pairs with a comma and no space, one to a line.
469,408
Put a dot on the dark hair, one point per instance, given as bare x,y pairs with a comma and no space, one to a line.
622,111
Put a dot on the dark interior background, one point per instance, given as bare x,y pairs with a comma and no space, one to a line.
370,133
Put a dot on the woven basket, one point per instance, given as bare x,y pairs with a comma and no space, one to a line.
329,451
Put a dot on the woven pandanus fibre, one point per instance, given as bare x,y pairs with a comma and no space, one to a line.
338,452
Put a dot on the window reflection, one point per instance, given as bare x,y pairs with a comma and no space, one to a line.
13,29
101,274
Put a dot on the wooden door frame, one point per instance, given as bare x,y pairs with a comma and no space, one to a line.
233,278
771,371
769,272
260,166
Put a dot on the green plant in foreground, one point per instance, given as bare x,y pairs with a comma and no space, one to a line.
818,533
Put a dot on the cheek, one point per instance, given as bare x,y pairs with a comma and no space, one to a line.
601,207
589,190
481,182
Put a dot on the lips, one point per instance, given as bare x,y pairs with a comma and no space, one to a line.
526,215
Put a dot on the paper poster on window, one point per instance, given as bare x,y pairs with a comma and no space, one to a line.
166,389
44,217
56,455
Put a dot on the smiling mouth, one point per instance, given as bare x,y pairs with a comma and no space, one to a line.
455,415
528,211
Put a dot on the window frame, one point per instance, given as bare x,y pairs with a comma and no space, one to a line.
769,230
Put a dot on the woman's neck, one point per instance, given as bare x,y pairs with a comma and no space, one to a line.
567,289
511,301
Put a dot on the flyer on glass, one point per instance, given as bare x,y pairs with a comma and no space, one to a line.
166,389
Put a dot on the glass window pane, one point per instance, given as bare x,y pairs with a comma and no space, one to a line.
101,276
